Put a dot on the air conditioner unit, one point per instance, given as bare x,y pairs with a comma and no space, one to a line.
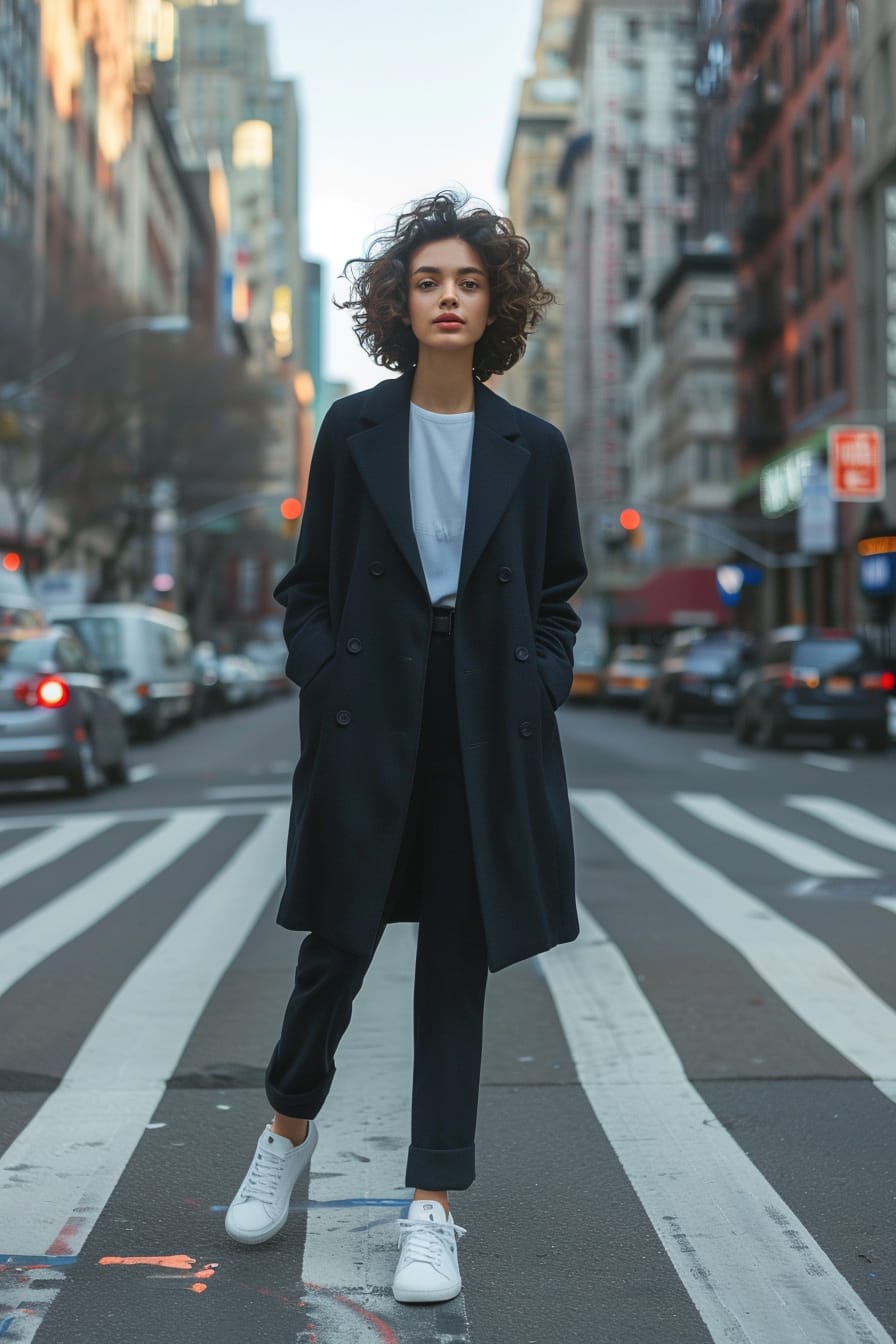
812,164
772,93
837,259
794,297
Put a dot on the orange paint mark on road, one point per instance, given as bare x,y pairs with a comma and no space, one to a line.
199,1288
165,1261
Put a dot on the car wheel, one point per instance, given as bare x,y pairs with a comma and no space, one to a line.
744,730
670,711
85,776
769,734
152,726
118,772
878,739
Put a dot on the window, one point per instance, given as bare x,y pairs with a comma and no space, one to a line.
813,28
834,94
817,368
884,81
633,236
799,382
634,81
632,286
797,154
815,133
634,30
815,244
796,50
799,271
830,11
682,183
838,366
835,232
681,233
632,182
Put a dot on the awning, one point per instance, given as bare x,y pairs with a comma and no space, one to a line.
673,597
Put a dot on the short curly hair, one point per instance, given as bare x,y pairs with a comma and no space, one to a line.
379,283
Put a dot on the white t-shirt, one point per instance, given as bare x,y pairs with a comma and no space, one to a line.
441,449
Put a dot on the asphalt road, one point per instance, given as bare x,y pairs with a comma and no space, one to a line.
688,1117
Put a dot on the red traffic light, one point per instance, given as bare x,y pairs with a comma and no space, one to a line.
291,508
630,520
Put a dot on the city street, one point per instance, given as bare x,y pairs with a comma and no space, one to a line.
687,1119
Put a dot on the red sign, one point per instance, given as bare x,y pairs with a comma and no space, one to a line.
856,462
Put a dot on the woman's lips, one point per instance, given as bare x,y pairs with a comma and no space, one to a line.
449,322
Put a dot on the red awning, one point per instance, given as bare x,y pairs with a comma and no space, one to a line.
673,597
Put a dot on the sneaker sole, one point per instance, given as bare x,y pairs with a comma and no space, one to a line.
256,1238
420,1295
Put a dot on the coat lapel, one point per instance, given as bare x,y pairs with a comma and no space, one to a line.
380,452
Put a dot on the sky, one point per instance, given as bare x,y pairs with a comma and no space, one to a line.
398,98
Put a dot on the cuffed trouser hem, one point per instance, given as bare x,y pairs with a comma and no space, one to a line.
441,1168
300,1105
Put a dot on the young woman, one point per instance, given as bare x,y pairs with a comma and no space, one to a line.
428,625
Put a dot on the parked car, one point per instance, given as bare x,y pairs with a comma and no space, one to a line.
146,656
57,716
628,674
811,680
587,677
241,682
270,658
699,676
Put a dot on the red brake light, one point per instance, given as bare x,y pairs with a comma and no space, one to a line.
879,681
888,681
52,693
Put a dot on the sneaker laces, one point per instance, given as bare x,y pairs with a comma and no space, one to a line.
262,1177
421,1240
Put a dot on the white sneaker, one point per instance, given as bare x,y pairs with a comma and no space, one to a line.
427,1263
261,1205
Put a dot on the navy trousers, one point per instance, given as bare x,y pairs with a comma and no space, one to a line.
450,974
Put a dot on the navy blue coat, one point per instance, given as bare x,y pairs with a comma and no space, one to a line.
357,628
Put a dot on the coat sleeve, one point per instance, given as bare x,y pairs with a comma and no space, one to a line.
565,571
304,589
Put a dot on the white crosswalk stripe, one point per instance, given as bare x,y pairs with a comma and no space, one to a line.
811,979
33,939
851,820
57,1175
42,849
805,855
753,1271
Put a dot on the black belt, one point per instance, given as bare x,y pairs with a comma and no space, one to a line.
443,620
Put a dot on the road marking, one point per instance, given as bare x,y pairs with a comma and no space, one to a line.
30,941
725,761
803,971
886,903
350,1247
11,822
138,773
845,817
57,1175
271,790
826,762
753,1271
792,849
43,849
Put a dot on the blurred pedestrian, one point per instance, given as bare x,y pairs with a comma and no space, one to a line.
428,625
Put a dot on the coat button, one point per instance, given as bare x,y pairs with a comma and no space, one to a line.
505,574
521,653
343,717
354,645
376,569
525,728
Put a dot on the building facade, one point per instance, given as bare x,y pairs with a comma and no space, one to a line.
629,178
548,100
791,155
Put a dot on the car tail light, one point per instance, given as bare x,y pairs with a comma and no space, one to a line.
879,681
48,692
800,676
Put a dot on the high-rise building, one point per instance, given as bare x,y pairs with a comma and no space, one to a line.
629,177
20,179
547,105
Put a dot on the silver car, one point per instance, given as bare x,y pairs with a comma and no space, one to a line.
57,716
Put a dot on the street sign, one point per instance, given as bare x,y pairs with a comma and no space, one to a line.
856,462
817,516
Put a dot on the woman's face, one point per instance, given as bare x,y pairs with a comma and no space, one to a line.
448,295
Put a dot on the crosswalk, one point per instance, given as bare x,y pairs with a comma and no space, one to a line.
756,1269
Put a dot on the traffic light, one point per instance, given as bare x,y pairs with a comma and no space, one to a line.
290,512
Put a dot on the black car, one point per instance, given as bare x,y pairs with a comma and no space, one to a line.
815,681
698,678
